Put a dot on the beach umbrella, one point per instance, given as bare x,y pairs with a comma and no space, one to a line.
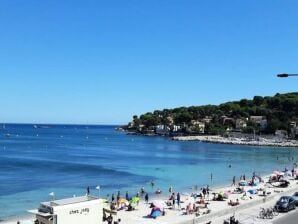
159,204
252,191
123,201
134,200
226,194
156,213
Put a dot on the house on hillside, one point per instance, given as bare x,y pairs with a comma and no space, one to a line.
256,119
199,127
261,121
162,129
240,124
207,119
176,128
140,127
170,120
195,122
227,121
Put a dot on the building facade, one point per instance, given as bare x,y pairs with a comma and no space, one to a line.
76,210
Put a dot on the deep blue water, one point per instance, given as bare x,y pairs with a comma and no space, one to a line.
65,159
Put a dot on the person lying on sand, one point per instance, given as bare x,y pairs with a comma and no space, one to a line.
234,203
238,190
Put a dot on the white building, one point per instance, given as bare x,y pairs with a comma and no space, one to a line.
176,128
240,124
256,119
201,127
162,129
260,120
76,210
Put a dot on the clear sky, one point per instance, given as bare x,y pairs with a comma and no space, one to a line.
98,61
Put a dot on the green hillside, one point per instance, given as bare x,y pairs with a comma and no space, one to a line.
259,115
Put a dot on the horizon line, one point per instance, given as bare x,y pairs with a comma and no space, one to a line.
38,123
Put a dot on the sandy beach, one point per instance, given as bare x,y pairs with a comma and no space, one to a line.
239,141
216,211
219,209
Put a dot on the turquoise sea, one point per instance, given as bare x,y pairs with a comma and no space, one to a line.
65,159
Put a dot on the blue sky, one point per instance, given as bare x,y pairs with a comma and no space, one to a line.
104,61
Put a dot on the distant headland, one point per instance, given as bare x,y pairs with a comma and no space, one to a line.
269,120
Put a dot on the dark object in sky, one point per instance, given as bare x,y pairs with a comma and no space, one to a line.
285,75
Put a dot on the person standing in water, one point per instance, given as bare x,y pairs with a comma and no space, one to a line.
146,198
142,190
152,183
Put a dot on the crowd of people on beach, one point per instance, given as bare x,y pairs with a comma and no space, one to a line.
197,203
173,202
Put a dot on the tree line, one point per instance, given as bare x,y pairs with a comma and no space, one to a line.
280,111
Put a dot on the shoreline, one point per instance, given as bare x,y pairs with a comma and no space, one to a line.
238,141
218,209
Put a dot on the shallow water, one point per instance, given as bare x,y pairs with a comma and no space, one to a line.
67,159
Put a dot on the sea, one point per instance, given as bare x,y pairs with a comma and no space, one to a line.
36,160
